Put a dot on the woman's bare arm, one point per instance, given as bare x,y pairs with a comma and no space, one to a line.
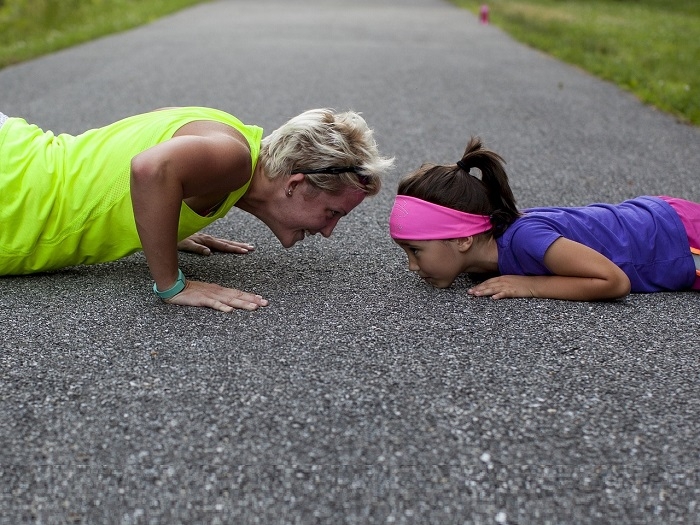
208,164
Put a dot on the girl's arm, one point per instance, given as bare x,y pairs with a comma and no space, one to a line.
208,165
581,274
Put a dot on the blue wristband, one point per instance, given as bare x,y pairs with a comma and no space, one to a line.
174,289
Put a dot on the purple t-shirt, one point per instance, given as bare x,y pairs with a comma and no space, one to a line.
643,236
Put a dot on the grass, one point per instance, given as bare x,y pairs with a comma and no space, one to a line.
30,28
648,47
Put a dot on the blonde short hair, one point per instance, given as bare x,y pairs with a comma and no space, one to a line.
321,139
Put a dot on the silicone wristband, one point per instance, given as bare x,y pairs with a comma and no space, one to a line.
174,289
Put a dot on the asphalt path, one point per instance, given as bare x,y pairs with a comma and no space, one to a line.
360,395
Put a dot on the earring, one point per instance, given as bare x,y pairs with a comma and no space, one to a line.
289,192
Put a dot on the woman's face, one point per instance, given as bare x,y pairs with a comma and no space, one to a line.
309,211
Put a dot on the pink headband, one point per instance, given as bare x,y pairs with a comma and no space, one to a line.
418,220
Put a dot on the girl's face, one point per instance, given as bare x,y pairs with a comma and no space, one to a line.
437,262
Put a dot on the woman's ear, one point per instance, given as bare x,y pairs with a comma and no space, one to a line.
465,243
292,182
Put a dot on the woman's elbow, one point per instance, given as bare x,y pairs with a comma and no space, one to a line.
146,172
141,169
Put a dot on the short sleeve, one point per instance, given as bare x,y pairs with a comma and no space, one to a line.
522,247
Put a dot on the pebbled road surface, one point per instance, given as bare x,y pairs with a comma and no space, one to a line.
360,395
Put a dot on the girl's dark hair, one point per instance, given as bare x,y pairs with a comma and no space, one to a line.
453,186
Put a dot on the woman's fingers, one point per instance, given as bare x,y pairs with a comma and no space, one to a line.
204,244
217,297
225,245
189,245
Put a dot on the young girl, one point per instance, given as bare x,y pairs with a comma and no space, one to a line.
450,222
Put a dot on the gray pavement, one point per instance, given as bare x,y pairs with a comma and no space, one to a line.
360,395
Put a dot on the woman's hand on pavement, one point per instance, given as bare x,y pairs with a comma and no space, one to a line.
197,293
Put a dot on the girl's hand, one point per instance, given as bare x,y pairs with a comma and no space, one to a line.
504,286
210,295
204,244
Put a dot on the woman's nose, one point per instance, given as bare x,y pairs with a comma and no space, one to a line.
328,229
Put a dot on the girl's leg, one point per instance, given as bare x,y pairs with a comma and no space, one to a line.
689,213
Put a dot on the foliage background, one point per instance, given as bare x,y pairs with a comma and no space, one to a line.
29,28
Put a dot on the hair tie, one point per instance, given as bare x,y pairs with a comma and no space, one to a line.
462,165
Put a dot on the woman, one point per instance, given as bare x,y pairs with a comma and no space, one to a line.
150,182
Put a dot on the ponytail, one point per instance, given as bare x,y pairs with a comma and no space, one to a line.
454,187
495,180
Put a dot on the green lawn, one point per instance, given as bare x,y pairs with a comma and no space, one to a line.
30,28
649,47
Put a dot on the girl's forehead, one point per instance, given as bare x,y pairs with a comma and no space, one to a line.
415,244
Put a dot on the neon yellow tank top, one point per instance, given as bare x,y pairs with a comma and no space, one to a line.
65,200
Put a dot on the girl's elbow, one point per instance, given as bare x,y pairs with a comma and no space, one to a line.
621,286
625,291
